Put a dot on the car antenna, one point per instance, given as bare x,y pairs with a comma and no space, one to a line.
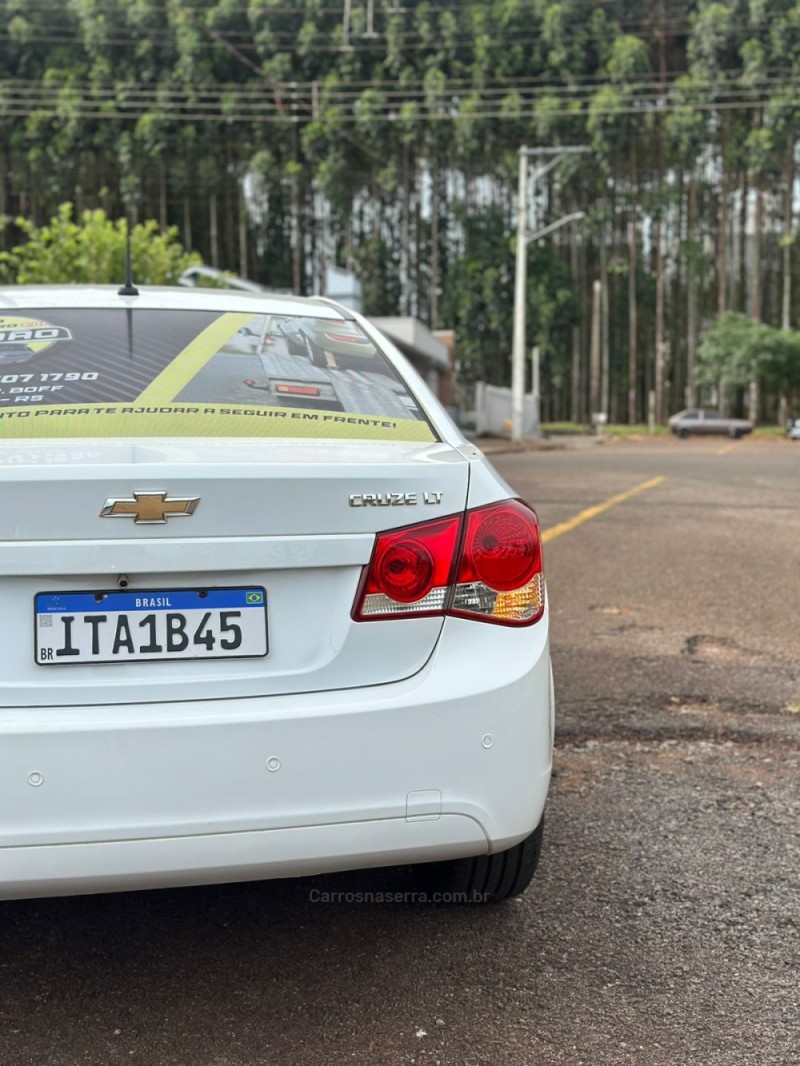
128,289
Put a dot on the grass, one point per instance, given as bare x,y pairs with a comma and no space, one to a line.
617,431
623,432
769,431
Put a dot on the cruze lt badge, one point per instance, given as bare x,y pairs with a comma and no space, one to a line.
394,499
150,508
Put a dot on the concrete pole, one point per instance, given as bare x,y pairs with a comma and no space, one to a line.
520,286
594,378
605,347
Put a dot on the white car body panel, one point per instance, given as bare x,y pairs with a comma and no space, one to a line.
351,744
447,763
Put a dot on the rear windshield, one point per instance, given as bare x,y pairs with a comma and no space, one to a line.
133,373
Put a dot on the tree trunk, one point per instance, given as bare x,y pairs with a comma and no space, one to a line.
3,197
755,268
722,247
187,223
660,353
162,194
742,242
786,302
691,298
405,236
575,383
229,236
212,228
434,245
243,251
297,237
419,274
604,316
756,296
677,335
633,325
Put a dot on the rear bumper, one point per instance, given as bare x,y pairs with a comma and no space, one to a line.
452,762
118,865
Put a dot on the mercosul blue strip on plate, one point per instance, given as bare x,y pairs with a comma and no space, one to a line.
150,600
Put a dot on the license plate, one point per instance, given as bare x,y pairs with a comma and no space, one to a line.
123,627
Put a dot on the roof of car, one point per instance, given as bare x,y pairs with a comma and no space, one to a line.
163,298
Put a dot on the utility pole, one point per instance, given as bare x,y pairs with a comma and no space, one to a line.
594,378
370,19
520,294
555,156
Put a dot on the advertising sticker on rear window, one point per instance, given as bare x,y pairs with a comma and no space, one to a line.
22,338
142,373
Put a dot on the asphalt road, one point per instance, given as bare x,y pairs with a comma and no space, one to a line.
662,927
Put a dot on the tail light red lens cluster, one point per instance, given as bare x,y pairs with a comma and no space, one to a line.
485,564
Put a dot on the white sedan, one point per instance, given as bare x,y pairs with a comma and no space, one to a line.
255,632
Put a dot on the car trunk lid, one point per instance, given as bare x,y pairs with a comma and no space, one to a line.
296,518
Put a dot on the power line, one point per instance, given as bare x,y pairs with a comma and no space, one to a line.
225,117
544,82
411,41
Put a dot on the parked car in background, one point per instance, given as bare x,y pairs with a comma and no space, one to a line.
793,429
698,420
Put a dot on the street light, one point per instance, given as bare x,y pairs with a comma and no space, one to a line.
521,277
575,216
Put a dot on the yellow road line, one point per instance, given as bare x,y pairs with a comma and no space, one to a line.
726,449
593,512
188,363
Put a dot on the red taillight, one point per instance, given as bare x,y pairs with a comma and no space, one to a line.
493,572
501,547
500,575
405,571
410,571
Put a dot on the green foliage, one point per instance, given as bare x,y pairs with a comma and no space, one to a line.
730,350
479,296
737,349
92,251
552,310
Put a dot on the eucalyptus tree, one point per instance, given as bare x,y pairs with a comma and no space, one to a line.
616,128
688,150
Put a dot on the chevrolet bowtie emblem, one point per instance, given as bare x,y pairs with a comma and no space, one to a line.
150,508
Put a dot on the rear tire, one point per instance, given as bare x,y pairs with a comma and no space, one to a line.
485,878
683,433
735,434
